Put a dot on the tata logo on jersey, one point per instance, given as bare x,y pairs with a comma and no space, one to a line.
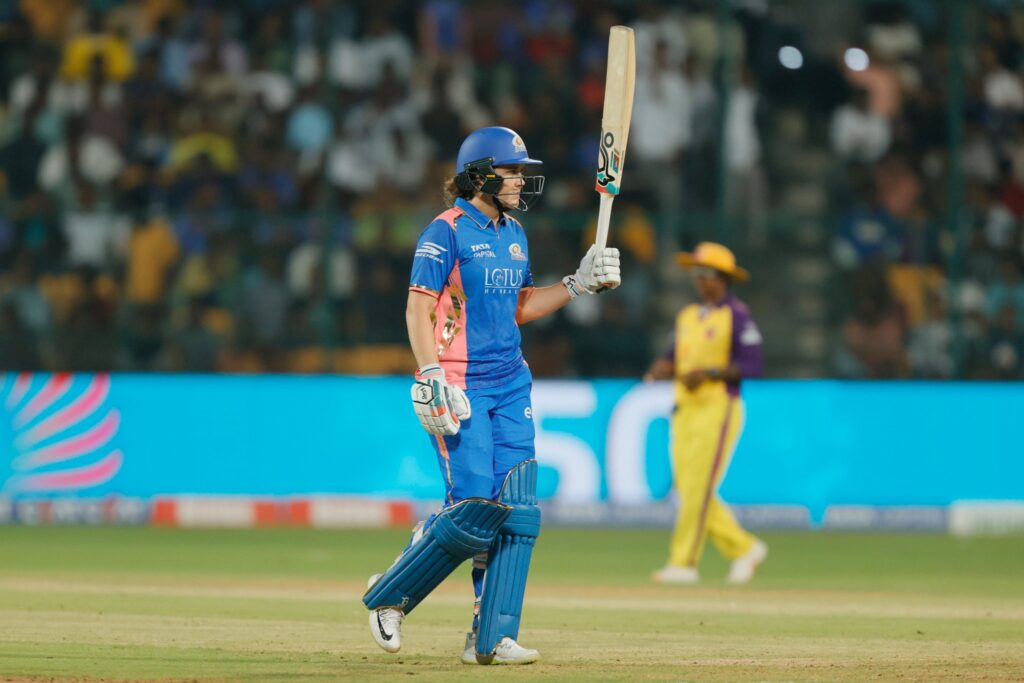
503,280
482,251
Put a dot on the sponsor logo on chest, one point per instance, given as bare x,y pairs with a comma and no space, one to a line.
503,280
482,250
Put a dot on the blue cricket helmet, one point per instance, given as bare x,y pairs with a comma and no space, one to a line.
502,144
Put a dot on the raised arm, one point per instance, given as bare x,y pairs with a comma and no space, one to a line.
598,271
537,302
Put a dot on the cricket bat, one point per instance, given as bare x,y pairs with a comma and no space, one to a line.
618,110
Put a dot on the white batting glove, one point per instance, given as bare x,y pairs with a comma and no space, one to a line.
439,406
599,270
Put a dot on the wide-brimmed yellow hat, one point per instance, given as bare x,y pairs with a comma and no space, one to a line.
713,255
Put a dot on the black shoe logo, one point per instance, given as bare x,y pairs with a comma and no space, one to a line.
383,634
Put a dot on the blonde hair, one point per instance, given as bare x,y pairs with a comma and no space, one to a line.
450,191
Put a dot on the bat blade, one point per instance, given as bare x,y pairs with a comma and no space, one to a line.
618,110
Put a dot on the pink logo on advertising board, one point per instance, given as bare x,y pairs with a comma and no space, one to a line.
61,430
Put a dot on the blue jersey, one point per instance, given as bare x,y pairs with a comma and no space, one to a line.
476,270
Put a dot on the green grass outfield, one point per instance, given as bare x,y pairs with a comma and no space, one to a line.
87,604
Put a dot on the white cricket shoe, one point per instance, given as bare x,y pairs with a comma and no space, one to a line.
742,568
386,624
674,574
511,652
508,651
469,652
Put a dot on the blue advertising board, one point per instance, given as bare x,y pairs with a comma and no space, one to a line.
807,443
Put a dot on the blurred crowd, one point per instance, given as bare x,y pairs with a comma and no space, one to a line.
209,186
930,290
237,186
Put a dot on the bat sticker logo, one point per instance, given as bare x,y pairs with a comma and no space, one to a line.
609,163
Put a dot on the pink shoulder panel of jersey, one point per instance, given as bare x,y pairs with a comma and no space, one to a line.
449,216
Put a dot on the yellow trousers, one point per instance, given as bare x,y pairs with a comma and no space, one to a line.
704,434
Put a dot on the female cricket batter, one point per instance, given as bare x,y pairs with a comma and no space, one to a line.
716,345
470,289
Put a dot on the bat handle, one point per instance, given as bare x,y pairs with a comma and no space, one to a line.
604,217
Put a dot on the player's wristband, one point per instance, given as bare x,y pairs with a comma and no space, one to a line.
572,286
429,369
